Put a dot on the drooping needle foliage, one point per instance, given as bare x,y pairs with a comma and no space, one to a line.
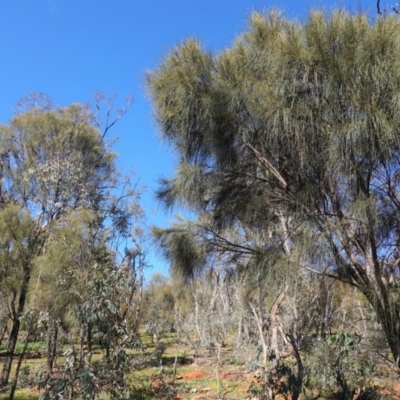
296,124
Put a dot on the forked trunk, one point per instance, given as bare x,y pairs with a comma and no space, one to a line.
390,321
18,367
12,339
388,314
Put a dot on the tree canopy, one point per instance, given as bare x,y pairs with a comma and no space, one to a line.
295,125
64,212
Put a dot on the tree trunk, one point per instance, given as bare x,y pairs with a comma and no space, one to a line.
388,314
364,329
12,339
274,326
139,299
239,330
81,344
389,318
260,323
89,337
21,357
196,316
52,337
298,383
3,332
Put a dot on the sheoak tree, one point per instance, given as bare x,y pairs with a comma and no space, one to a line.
298,122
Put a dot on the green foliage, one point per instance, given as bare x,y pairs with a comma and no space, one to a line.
17,243
159,304
20,396
34,346
181,246
101,310
56,159
289,141
337,362
61,226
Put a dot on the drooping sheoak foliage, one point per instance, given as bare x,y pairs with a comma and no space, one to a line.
298,122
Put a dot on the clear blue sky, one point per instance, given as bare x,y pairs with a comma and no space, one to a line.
70,48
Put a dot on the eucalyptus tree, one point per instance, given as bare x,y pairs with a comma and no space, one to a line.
98,316
54,163
297,121
159,307
66,269
86,293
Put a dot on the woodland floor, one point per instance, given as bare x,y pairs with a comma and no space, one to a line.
201,378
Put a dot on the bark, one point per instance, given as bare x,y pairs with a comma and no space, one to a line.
52,337
81,344
275,327
21,357
363,318
219,345
3,333
89,337
389,317
260,324
12,340
139,296
387,311
239,305
296,390
196,315
239,330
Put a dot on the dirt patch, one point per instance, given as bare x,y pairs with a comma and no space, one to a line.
193,375
234,376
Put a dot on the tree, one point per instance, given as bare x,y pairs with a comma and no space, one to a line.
18,242
54,164
99,316
296,122
159,306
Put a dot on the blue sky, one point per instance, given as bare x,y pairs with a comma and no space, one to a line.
71,48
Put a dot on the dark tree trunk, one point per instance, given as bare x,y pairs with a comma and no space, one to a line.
388,314
21,357
389,317
12,339
298,382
